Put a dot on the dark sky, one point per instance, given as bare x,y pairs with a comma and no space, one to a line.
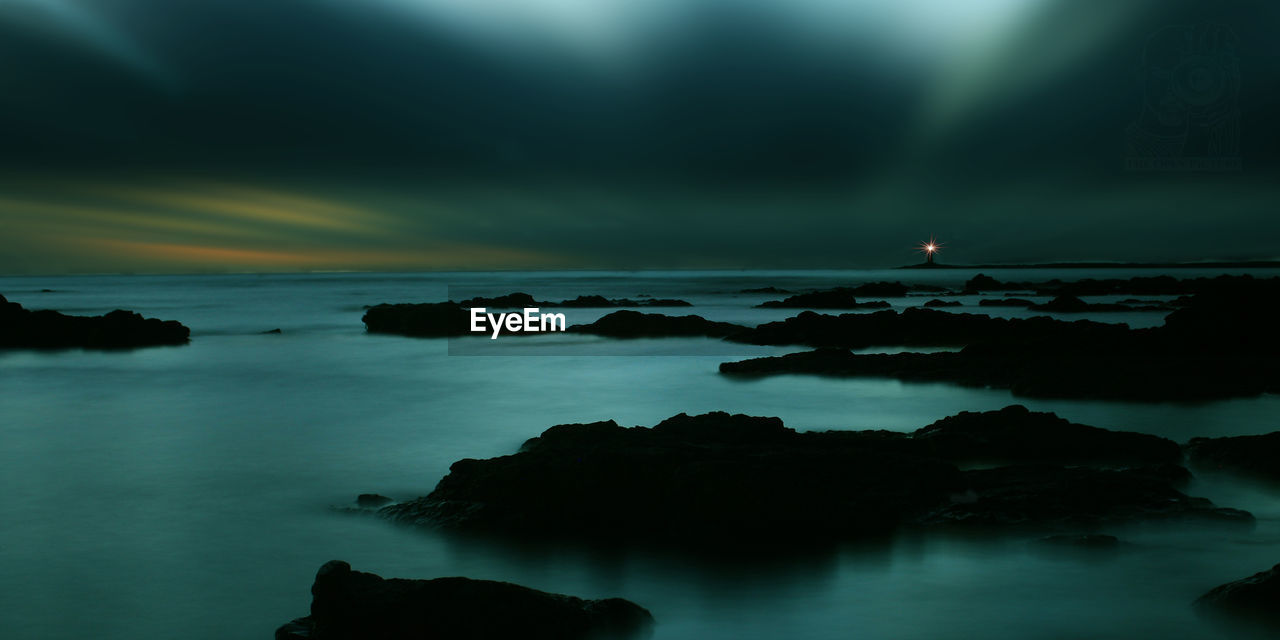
157,135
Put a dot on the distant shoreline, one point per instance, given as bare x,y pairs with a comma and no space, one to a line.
1253,264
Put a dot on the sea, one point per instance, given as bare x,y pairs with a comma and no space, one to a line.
194,491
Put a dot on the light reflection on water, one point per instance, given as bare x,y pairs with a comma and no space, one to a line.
190,488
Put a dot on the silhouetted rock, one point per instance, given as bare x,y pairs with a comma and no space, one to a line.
709,478
1005,302
428,319
1257,456
916,326
352,605
592,302
1072,304
1015,434
983,282
839,298
943,303
24,329
633,324
1253,599
881,290
718,477
272,332
1041,496
517,300
1219,345
372,501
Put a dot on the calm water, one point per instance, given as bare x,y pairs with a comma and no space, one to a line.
189,491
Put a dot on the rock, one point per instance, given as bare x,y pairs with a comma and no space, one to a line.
983,282
764,290
272,332
24,329
881,290
633,324
1220,345
919,327
602,302
717,477
517,300
1072,304
943,303
1253,599
429,319
372,501
1256,456
1015,434
688,480
352,605
1005,302
1049,496
839,298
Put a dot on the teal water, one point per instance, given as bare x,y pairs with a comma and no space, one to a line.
189,491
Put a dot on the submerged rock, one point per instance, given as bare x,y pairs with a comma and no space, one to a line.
1257,456
633,324
25,329
352,605
1253,599
372,501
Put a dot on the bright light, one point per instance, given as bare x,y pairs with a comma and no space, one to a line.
930,247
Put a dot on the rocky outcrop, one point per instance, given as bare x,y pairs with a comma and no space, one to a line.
1015,434
942,303
633,324
602,302
1071,304
715,477
703,478
1255,456
839,298
1071,498
1254,599
24,329
1218,345
520,300
352,605
920,327
1005,302
881,290
426,320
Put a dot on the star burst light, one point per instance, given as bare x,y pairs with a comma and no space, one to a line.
930,247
